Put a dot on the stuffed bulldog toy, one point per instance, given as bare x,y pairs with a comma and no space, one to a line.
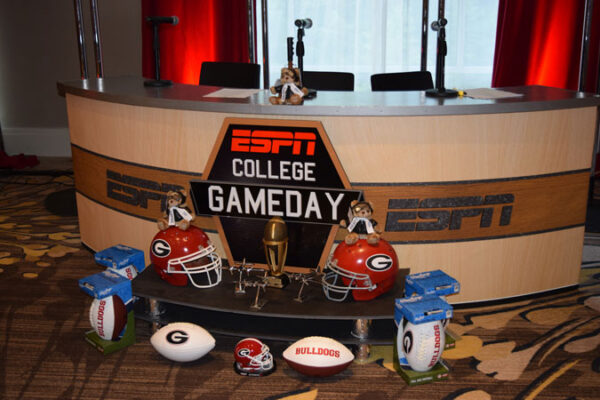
288,88
177,214
360,225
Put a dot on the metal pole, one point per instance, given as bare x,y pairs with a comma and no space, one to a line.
598,76
265,44
1,140
97,39
156,48
83,67
424,30
251,32
361,330
585,43
439,78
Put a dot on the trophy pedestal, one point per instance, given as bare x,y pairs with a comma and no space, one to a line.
278,282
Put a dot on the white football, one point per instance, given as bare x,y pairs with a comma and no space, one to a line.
128,272
318,356
108,317
182,341
422,344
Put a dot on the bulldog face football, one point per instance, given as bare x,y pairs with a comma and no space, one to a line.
318,356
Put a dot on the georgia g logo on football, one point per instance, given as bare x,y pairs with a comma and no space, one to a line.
177,337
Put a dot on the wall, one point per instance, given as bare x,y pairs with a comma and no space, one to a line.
38,47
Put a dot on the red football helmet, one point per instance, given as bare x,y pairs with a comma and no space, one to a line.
252,357
365,269
178,254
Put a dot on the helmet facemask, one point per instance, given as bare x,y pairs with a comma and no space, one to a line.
185,265
341,281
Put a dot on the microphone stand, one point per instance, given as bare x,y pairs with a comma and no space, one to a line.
440,27
300,52
157,82
312,93
290,52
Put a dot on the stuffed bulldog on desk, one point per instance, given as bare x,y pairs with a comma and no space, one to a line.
288,88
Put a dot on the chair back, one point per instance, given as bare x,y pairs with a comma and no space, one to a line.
321,80
414,80
230,74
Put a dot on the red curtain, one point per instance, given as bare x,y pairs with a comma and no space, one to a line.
538,42
208,30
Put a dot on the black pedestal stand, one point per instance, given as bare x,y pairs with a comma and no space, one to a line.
440,27
157,82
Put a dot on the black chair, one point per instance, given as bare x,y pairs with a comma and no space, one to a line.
230,74
415,80
320,80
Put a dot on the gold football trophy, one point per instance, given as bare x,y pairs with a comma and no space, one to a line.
275,241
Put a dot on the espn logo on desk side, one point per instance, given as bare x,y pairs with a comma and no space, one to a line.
270,141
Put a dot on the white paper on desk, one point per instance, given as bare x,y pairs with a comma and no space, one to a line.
233,93
490,94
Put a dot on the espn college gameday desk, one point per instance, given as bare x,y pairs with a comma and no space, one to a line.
493,192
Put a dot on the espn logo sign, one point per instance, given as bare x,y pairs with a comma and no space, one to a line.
436,214
266,141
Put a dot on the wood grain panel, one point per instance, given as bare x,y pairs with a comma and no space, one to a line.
164,138
463,147
514,207
102,227
380,155
440,212
371,149
486,269
500,268
132,189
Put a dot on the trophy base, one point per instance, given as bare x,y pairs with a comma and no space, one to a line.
278,282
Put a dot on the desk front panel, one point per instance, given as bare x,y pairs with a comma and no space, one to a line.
496,200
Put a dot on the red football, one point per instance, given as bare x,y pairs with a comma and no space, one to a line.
318,356
108,317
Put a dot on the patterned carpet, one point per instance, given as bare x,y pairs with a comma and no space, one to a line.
544,348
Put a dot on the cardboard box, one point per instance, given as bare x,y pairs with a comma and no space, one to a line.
421,309
418,310
107,283
435,282
120,257
110,346
439,372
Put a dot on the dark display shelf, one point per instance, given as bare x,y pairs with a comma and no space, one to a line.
220,310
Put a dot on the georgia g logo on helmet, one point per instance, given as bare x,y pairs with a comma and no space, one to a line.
160,248
379,262
244,352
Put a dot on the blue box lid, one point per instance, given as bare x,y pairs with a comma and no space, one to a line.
120,256
107,283
420,309
433,282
